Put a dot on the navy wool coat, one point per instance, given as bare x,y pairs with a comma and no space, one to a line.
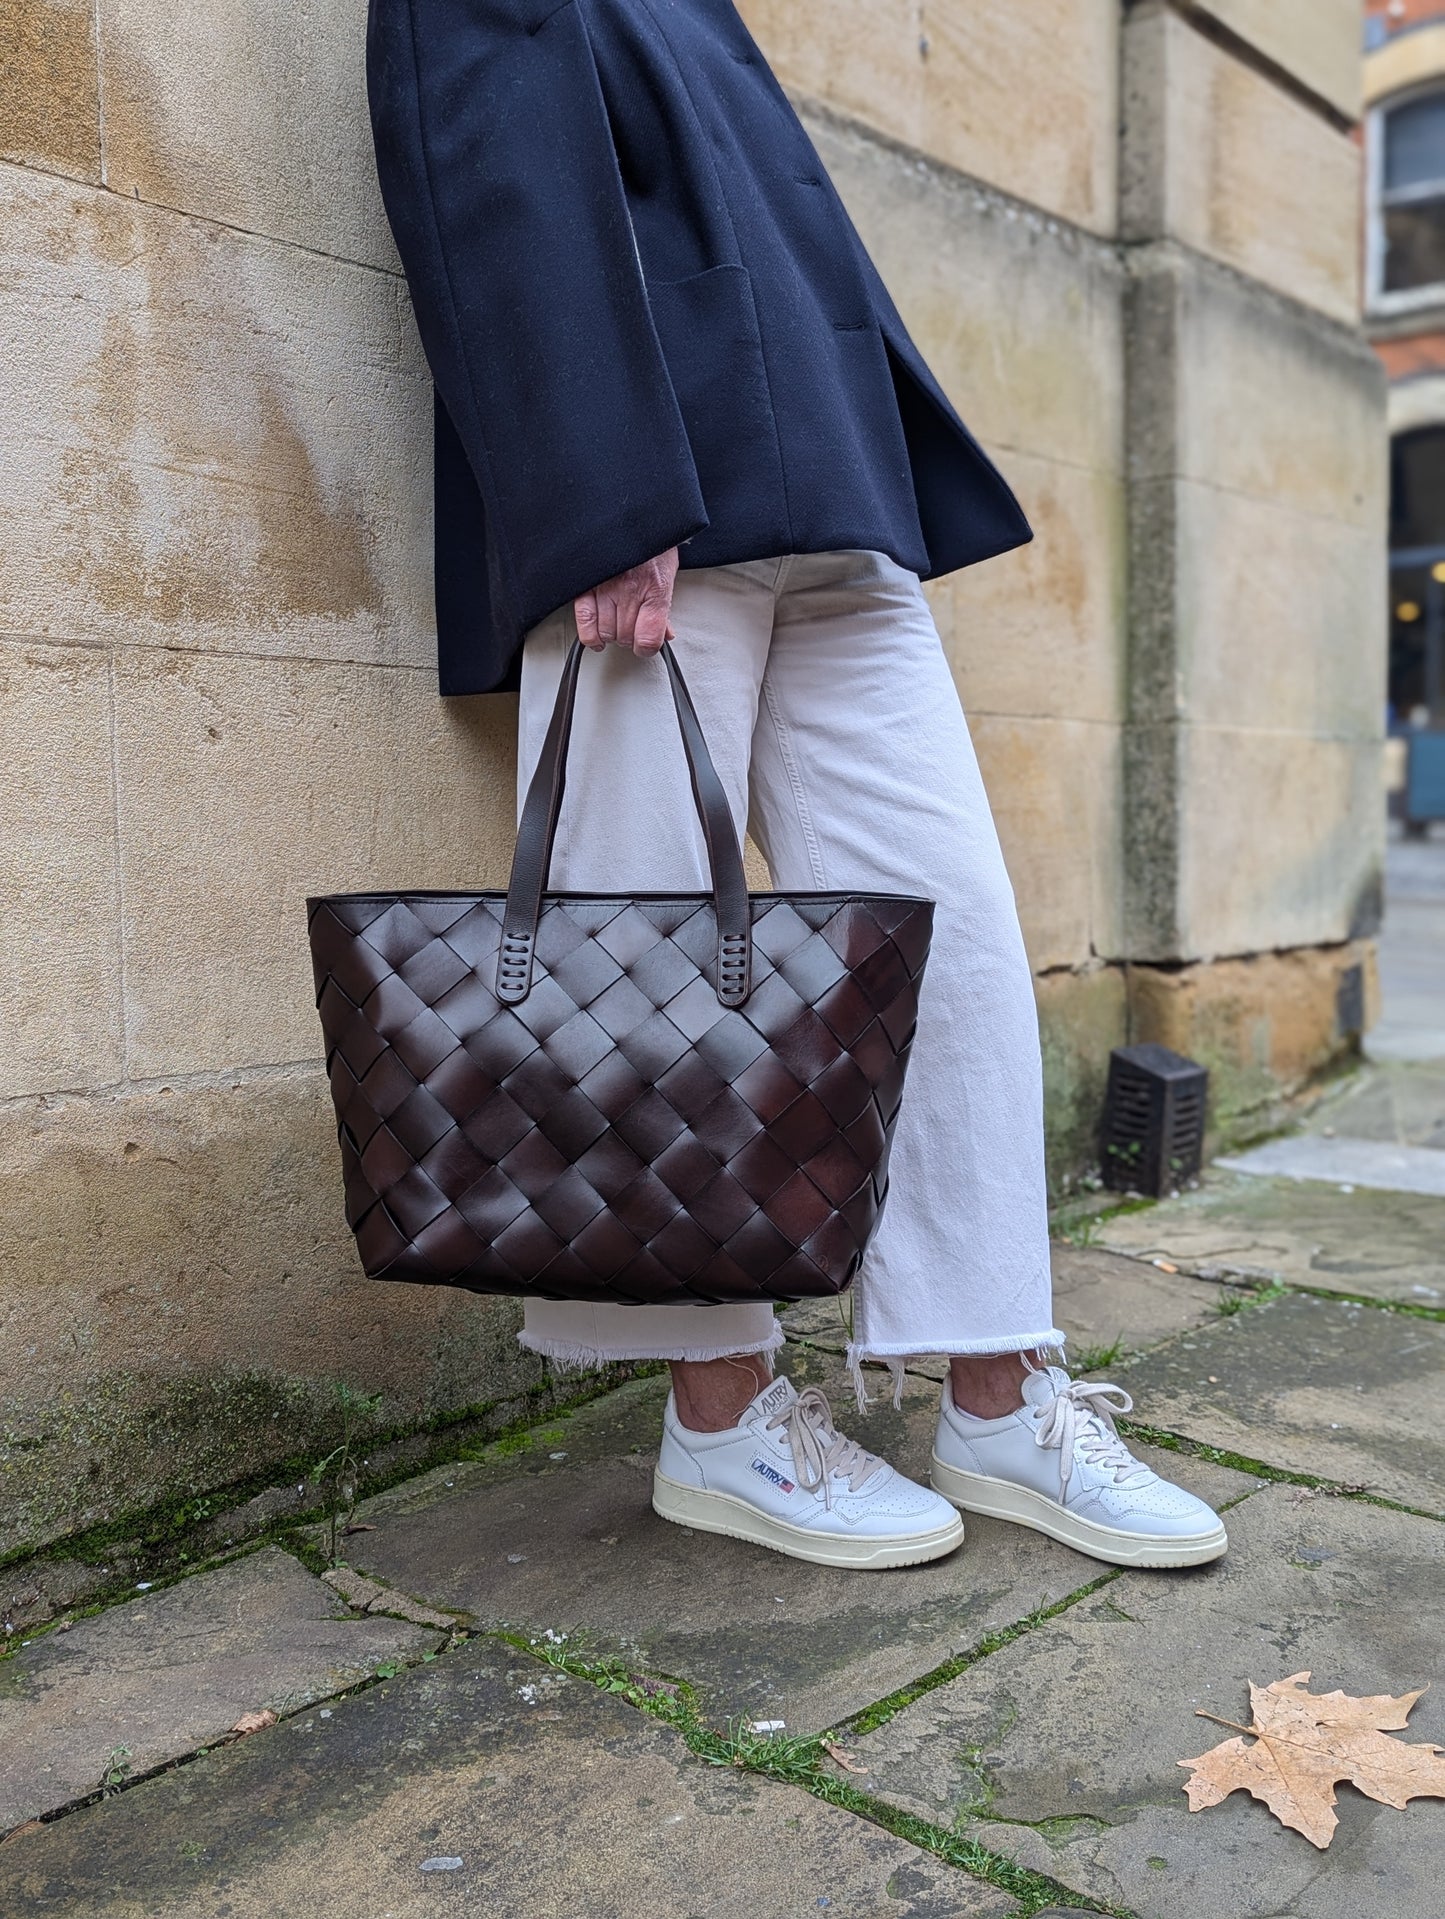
649,320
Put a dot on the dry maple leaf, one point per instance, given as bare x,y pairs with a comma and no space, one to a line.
841,1758
1303,1742
253,1722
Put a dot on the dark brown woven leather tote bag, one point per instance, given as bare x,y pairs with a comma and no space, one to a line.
636,1098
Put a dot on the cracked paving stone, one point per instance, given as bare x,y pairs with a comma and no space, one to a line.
165,1673
1381,1245
369,1595
1061,1748
1321,1386
574,1546
557,1800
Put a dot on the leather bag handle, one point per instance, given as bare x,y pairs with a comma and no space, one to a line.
532,862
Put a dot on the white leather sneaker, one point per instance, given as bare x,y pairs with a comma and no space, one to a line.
1059,1465
785,1477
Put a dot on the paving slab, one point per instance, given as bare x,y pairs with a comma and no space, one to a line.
1103,1298
1100,1299
1382,1245
1382,1164
173,1670
1061,1749
562,1536
1353,1393
478,1784
1405,1104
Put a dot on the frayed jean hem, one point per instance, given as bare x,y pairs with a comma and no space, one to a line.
895,1357
570,1358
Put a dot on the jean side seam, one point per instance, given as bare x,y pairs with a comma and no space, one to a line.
795,781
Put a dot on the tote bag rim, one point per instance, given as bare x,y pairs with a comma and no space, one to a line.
841,896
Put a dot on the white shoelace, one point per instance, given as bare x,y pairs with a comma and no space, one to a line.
820,1452
1080,1422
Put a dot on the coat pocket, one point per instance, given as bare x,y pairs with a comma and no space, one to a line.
707,325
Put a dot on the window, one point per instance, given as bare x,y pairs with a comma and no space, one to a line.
1417,571
1409,192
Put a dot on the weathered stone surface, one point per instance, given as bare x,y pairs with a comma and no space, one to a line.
209,441
1305,486
1264,1026
1037,631
1316,42
1313,877
173,1670
1381,1164
1054,786
1102,1299
1204,883
370,1595
1023,97
1401,1103
1082,1015
31,1594
286,154
1311,390
556,1799
192,1297
248,781
1075,1730
1219,156
1313,41
956,257
60,931
1349,1392
1251,623
49,87
570,1544
1384,1245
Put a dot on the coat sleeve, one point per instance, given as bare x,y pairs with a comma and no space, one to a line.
502,185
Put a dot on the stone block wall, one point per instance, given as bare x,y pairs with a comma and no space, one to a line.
216,645
218,696
1257,482
1132,254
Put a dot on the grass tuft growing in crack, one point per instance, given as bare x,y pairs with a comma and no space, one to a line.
1093,1359
1244,1299
1260,1469
1408,1308
803,1762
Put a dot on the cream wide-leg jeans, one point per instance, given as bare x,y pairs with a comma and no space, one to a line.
832,716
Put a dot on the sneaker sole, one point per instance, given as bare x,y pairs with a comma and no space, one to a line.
1002,1499
709,1512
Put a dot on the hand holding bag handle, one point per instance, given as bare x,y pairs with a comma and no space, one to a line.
532,861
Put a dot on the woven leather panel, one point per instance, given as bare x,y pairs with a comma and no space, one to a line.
618,1135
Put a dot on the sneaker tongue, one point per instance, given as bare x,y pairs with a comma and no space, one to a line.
775,1398
1042,1388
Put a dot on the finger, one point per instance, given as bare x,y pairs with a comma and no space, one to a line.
585,609
606,618
626,599
651,626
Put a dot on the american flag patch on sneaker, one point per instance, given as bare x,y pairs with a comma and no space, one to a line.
773,1476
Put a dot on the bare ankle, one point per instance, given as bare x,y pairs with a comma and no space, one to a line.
712,1394
990,1385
